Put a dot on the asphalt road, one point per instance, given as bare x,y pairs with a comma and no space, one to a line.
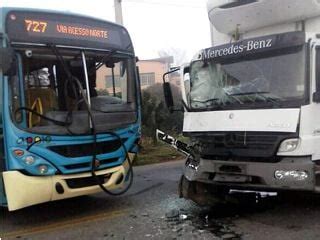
152,210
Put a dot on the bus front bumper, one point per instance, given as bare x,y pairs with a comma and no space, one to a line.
23,191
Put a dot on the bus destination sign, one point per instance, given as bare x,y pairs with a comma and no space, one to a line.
64,29
40,27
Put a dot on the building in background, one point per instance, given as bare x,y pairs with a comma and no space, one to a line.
151,72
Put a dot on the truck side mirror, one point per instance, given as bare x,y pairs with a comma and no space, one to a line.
6,59
316,97
167,90
168,96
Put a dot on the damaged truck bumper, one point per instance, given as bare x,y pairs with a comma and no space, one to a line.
213,177
22,190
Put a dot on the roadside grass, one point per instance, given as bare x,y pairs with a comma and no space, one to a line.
156,153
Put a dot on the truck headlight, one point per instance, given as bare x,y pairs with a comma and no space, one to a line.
298,175
289,145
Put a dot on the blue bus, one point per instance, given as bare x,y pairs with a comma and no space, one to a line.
70,107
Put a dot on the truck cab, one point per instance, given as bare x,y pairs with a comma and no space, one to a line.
252,100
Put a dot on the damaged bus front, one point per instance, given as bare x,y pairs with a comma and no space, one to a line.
70,107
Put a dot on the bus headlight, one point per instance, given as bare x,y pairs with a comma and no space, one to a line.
289,145
43,169
31,163
29,160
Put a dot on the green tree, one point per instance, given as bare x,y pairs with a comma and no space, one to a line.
102,92
156,115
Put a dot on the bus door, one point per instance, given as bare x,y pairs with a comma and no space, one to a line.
7,67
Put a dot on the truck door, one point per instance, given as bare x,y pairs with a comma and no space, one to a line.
310,125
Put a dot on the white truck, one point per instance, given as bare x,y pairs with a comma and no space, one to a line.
252,100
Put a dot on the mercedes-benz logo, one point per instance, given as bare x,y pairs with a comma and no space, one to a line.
230,140
231,115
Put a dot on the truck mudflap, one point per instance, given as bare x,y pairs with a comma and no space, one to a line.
23,191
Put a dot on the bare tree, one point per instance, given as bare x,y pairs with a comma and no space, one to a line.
179,55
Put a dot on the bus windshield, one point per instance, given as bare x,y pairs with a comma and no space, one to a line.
267,80
45,100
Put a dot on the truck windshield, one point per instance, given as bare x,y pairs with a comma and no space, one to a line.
266,80
44,92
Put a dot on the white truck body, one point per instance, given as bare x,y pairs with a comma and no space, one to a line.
295,162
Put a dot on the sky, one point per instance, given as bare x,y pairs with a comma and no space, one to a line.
154,25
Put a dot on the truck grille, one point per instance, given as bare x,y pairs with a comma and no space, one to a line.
241,144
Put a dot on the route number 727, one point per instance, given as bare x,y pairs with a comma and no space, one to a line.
35,26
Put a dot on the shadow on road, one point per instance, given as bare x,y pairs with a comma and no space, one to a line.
273,209
56,211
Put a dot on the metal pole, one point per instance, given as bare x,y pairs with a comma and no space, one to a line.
211,34
87,82
118,11
113,82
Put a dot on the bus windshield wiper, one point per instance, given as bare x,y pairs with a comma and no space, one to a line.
74,83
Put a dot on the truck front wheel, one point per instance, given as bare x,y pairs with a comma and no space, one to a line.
202,193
